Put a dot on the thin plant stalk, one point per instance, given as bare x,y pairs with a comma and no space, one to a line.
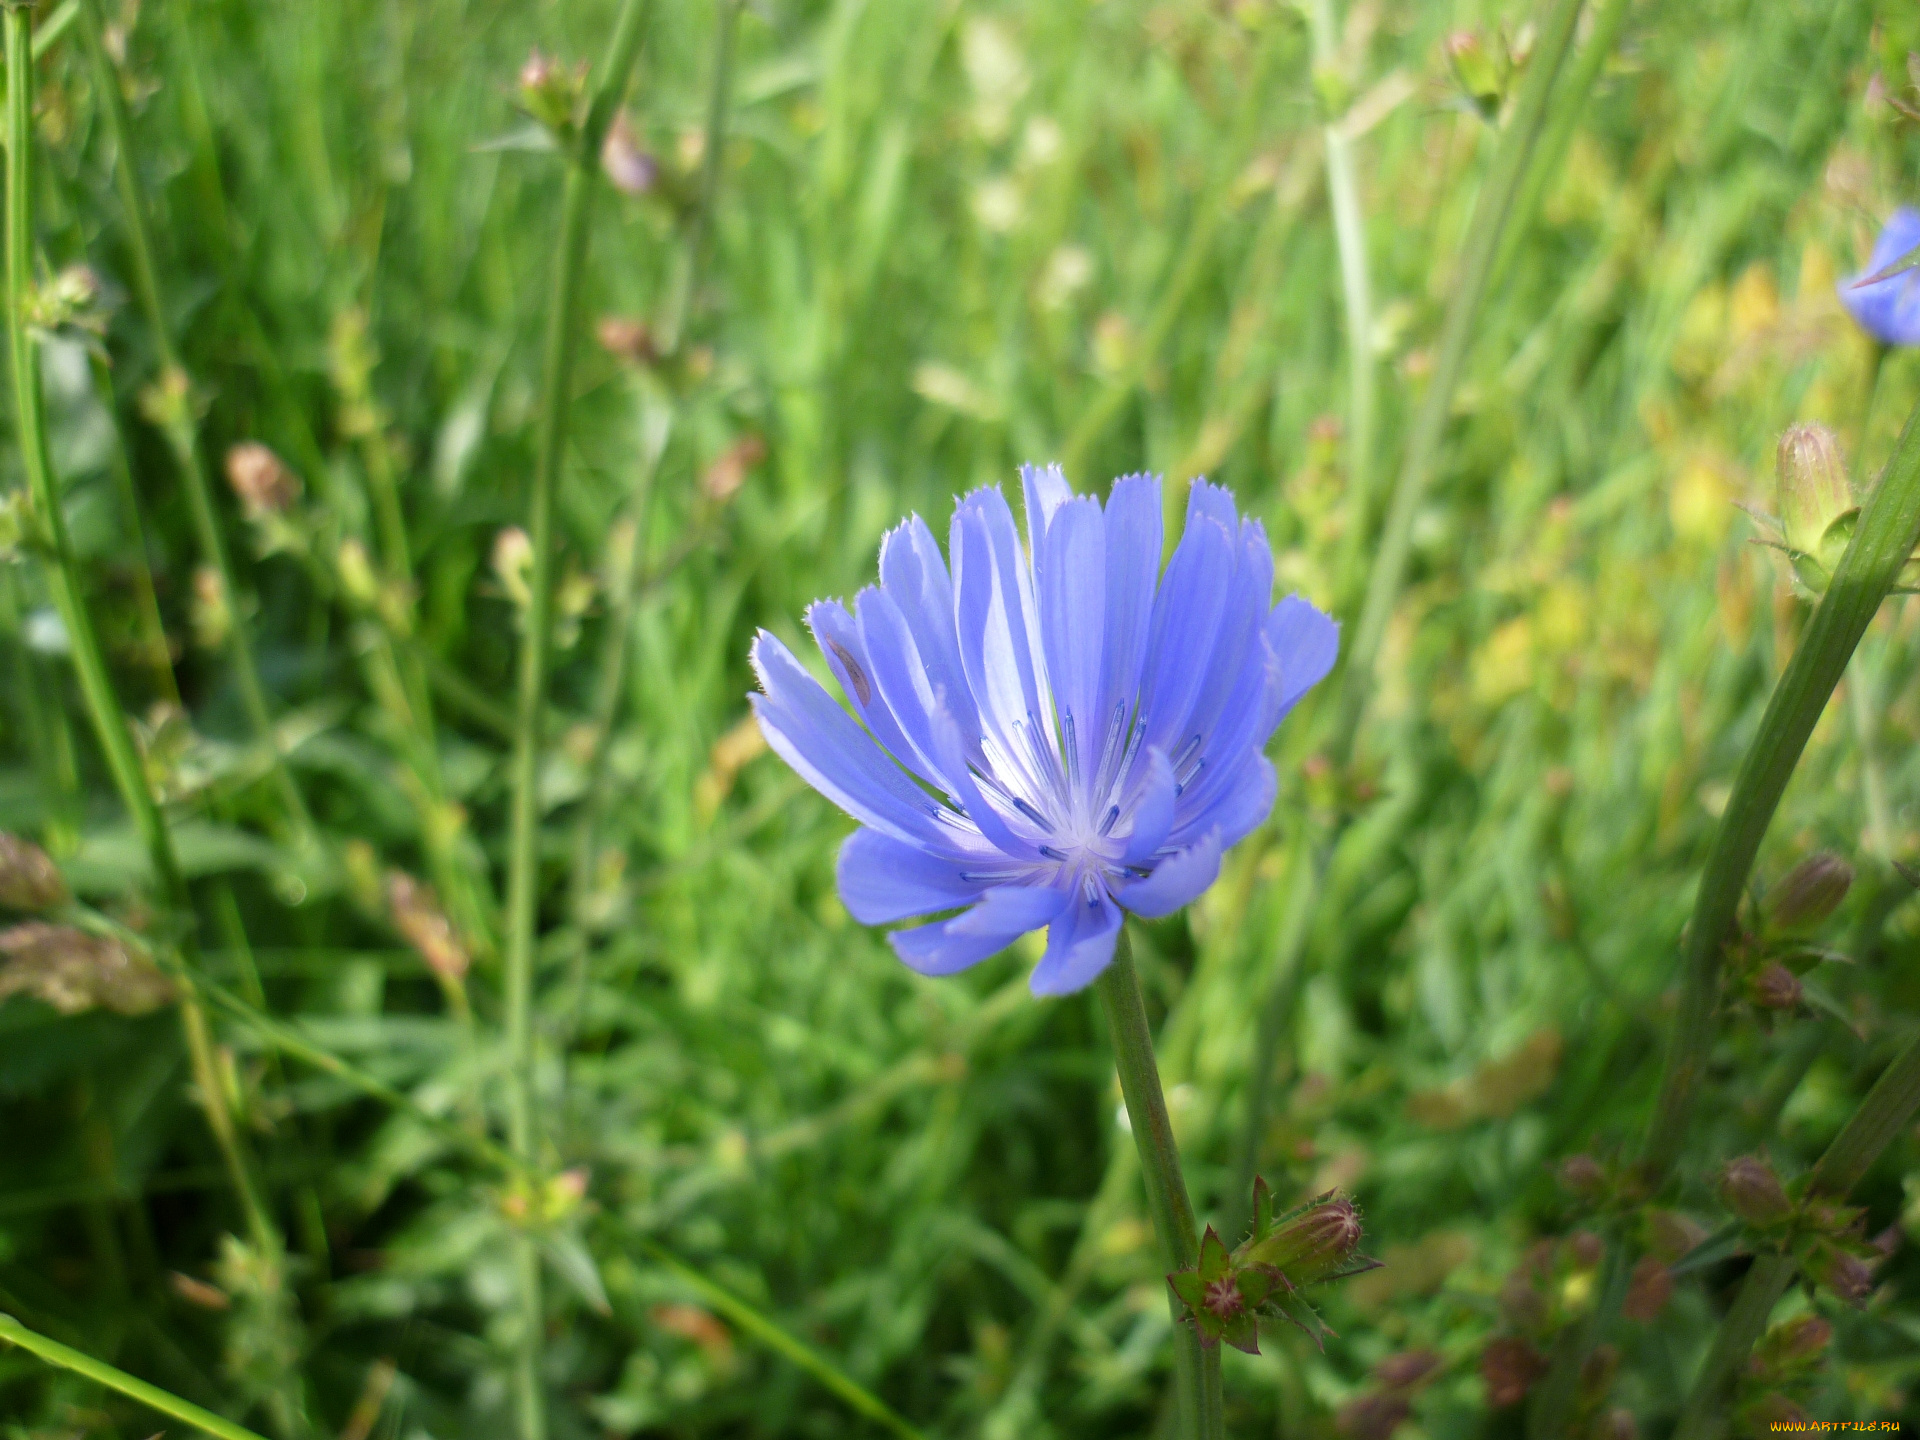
686,294
1889,1106
1888,529
80,1363
530,696
103,705
176,416
1356,292
1196,1367
1314,847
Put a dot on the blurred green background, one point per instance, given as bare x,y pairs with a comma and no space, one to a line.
934,240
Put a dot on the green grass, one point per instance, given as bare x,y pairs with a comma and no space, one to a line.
944,239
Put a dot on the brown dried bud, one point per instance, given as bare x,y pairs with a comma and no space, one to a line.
424,925
1648,1290
1814,491
72,971
1587,1249
1406,1369
262,480
1582,1175
1510,1365
628,340
1751,1190
1774,987
1371,1417
28,879
1847,1276
1809,893
729,470
629,169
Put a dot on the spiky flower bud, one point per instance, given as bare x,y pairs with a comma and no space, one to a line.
72,970
28,879
1809,893
1817,504
261,480
1752,1191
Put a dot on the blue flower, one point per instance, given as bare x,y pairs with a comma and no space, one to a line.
1890,310
1049,735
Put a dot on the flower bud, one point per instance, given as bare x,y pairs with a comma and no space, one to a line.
355,567
1598,1369
28,879
261,480
1582,1175
550,92
1809,893
629,169
1476,70
73,971
628,340
1752,1191
513,564
1510,1365
1790,1345
1406,1369
1587,1249
1316,1243
1847,1276
210,614
1617,1424
1817,505
1371,1417
424,925
729,470
1649,1289
1774,987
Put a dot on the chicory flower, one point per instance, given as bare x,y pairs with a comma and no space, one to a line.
1050,734
1889,310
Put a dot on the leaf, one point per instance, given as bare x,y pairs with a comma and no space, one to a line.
531,138
573,1263
1908,261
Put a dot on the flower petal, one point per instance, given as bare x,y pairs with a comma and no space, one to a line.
987,817
900,681
830,752
1889,310
1244,799
1045,491
1004,914
881,880
1079,945
1133,531
914,575
1187,614
1000,648
846,654
1306,641
1153,811
1071,565
1178,880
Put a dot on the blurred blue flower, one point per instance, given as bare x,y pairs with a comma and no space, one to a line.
1048,737
1890,310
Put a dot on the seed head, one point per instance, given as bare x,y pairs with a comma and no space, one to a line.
418,917
73,971
28,879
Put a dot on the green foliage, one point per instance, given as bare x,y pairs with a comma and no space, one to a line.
783,1187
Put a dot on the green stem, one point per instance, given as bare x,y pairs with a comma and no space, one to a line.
686,295
178,427
96,686
1881,1116
101,1373
1889,528
1350,236
530,696
1491,212
1197,1367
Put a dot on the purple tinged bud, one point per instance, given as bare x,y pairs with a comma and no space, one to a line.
1814,490
1801,1338
1774,987
551,92
1371,1417
630,169
1510,1365
1406,1369
1752,1191
1582,1175
1315,1244
1848,1276
1649,1289
1809,893
28,879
